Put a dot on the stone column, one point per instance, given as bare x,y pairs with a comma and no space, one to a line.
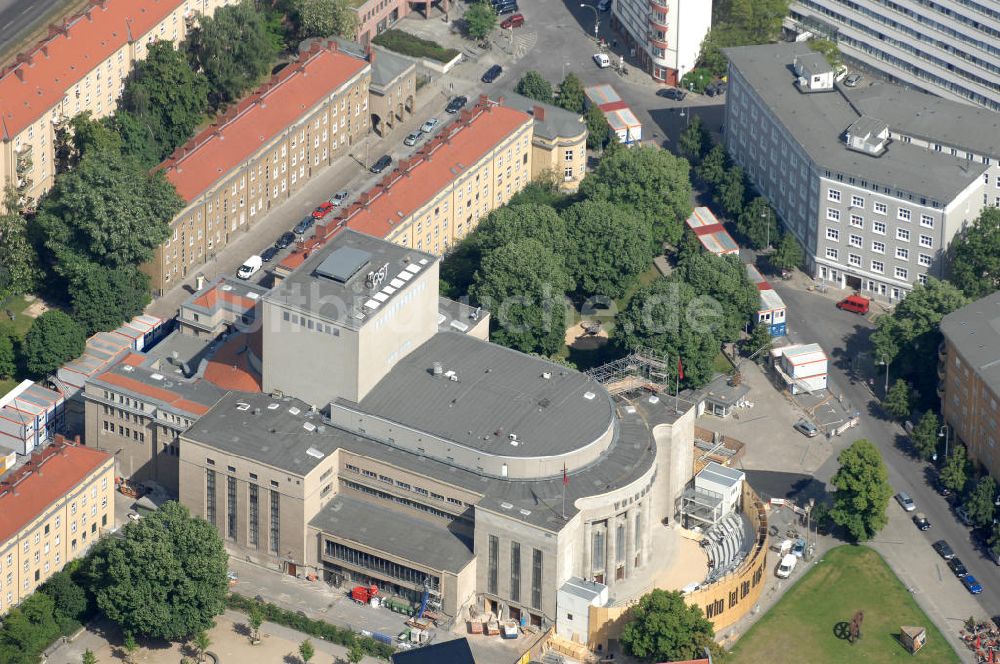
647,528
609,551
588,544
630,540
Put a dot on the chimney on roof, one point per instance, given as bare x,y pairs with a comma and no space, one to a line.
20,73
538,112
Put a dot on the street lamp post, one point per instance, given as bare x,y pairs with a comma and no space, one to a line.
944,432
597,18
687,116
886,389
765,214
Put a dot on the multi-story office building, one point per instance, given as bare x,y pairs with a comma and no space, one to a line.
558,141
79,67
969,370
52,509
665,35
873,181
950,48
259,152
387,450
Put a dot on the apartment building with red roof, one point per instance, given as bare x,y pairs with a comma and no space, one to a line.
260,152
79,66
52,508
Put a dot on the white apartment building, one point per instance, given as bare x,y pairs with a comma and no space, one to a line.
948,47
873,181
665,35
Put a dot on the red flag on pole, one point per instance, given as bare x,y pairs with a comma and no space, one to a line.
565,476
680,368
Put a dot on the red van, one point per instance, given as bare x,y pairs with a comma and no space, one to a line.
855,303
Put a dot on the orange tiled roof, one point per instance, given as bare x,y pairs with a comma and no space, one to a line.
442,161
244,128
61,468
153,392
210,299
42,76
230,369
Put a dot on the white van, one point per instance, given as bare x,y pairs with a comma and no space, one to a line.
602,60
786,566
250,267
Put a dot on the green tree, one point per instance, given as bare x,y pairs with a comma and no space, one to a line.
731,190
166,578
130,646
8,358
70,600
89,657
480,19
524,284
723,279
712,168
324,18
255,618
975,256
306,651
828,49
598,129
27,630
18,261
954,472
166,97
571,96
788,253
609,248
82,134
233,49
694,140
862,490
994,542
534,86
355,653
54,339
898,402
758,223
515,222
201,642
543,190
104,298
672,318
925,435
663,627
651,183
979,504
760,341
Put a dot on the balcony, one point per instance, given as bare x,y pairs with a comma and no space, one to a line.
655,22
659,5
655,39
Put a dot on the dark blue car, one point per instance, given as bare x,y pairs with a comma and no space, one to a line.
971,584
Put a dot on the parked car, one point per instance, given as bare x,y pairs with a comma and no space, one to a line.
602,60
456,105
268,254
943,549
920,521
340,198
671,93
957,567
941,488
806,428
381,164
322,209
799,548
905,501
492,74
711,89
852,80
303,225
508,8
971,584
250,267
412,138
286,239
855,303
512,21
428,126
786,566
963,516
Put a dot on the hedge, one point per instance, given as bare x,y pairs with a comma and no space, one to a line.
317,628
414,46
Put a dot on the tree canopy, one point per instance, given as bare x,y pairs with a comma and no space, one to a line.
608,248
723,278
28,629
975,256
740,23
8,360
925,435
664,628
862,491
104,298
731,190
324,18
571,95
694,140
979,503
233,49
898,400
166,578
598,129
758,223
480,19
514,222
651,183
54,338
534,86
18,261
523,284
954,473
788,253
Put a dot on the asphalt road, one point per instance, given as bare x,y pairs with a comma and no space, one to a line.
19,17
814,318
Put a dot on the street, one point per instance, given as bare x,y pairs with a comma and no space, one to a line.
812,317
18,18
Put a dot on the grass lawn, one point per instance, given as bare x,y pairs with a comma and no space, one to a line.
800,627
21,322
721,364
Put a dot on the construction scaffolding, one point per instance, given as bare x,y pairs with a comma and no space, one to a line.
644,369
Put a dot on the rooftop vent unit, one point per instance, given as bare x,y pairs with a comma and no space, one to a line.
506,506
512,437
294,411
437,369
589,396
524,512
273,406
314,453
128,368
156,376
546,375
343,263
654,399
630,409
459,325
242,405
309,426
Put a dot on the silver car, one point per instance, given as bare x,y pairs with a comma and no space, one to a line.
428,126
806,428
905,501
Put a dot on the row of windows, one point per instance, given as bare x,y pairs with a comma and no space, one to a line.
380,565
902,214
406,502
385,479
125,431
902,234
877,266
310,324
493,571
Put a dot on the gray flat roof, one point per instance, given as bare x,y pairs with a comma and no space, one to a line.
420,541
458,316
720,474
818,120
499,392
814,62
308,291
923,115
225,284
974,331
557,123
585,590
388,66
